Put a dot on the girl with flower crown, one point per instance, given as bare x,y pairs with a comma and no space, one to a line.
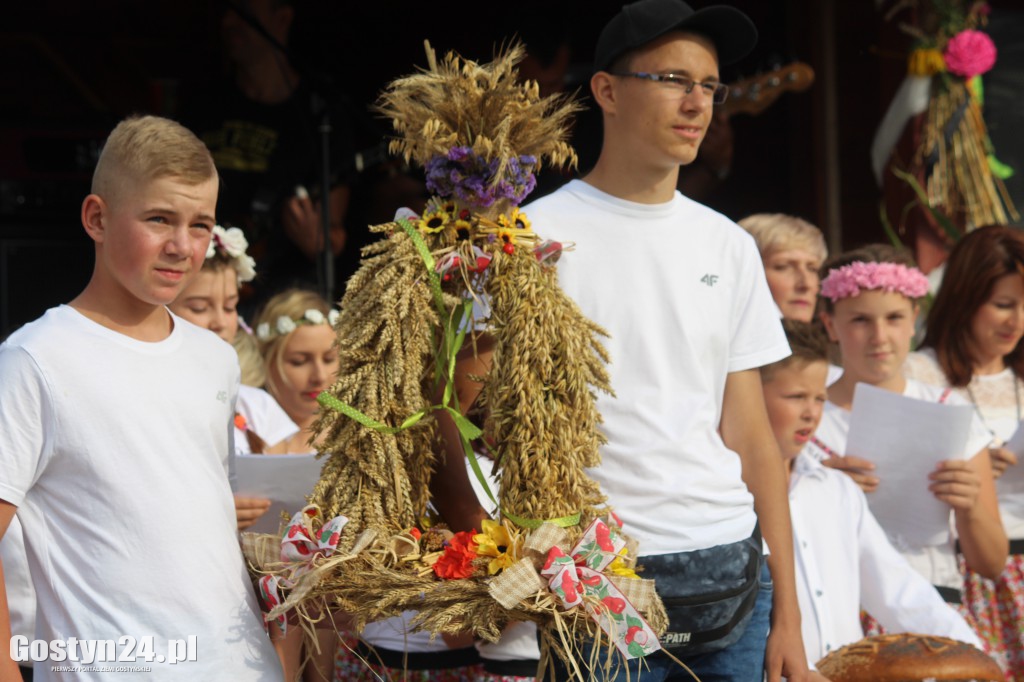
295,337
973,345
870,305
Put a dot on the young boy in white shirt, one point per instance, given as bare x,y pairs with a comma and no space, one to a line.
843,560
115,429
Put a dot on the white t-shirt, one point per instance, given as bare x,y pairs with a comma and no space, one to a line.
394,634
682,292
937,563
998,400
844,562
115,452
264,416
21,596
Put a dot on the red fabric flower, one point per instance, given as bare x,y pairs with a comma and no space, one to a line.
457,560
970,53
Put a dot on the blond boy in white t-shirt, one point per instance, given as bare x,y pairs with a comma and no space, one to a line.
115,432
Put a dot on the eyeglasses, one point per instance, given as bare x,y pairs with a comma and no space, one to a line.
684,84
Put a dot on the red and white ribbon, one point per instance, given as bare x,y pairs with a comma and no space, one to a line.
571,577
300,547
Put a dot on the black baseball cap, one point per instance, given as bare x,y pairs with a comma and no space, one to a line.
638,23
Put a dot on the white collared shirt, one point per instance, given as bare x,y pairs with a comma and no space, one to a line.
844,562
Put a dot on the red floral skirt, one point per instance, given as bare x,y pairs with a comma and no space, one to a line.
996,612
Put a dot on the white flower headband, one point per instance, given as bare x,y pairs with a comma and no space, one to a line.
286,325
231,244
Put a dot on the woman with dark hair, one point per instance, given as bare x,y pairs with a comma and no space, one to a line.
973,345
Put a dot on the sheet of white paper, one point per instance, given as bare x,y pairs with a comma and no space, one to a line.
905,438
283,479
1012,480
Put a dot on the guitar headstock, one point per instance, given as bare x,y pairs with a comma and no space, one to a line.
754,95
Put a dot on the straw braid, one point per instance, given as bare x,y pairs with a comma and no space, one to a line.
541,405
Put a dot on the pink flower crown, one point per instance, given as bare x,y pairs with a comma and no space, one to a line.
850,280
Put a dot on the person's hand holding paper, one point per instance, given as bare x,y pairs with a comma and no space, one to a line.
861,470
956,482
1011,477
1002,459
906,439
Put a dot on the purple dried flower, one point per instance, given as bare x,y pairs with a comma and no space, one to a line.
472,179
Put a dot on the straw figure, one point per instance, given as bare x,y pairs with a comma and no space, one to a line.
556,556
954,170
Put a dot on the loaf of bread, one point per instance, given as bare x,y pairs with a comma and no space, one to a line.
909,658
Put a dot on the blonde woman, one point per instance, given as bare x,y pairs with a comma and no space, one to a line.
792,251
295,335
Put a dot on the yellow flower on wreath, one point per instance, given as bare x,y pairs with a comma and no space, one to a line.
926,61
507,237
434,221
463,229
495,542
516,221
619,567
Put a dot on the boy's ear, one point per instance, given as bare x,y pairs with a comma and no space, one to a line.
94,210
826,319
603,88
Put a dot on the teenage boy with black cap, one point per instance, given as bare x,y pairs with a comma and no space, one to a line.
690,466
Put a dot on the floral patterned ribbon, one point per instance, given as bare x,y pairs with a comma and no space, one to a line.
300,547
574,576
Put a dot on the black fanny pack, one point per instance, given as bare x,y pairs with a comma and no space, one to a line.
709,594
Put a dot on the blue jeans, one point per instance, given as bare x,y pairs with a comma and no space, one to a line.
741,662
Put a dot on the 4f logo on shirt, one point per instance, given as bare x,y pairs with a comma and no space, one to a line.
222,396
709,279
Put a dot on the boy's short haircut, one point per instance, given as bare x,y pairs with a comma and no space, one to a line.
147,148
807,341
776,232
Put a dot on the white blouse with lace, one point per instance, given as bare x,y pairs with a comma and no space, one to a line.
997,398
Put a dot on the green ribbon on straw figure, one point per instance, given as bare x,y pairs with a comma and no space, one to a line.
454,336
533,524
